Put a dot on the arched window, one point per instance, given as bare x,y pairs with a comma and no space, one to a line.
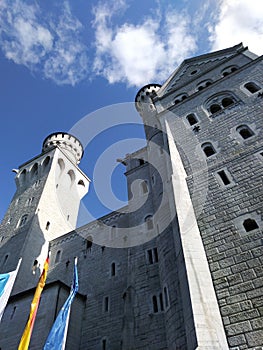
191,119
228,71
81,183
58,256
34,170
245,132
23,175
61,165
227,101
144,187
208,149
250,225
23,220
46,161
252,87
214,108
72,176
149,222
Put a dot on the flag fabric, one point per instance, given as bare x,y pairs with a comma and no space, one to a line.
58,335
25,340
7,281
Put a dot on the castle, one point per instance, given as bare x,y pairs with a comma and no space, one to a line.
179,267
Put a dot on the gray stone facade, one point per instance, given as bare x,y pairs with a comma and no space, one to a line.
179,267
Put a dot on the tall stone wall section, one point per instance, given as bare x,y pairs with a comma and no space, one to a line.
234,255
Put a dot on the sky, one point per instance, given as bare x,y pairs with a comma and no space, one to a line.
62,62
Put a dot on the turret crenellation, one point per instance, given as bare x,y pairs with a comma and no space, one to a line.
67,142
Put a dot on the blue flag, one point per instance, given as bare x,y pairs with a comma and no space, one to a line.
58,334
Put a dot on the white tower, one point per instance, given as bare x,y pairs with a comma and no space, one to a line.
45,206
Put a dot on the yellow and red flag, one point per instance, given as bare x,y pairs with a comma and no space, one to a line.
25,340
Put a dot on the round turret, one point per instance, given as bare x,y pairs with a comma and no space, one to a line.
68,143
143,99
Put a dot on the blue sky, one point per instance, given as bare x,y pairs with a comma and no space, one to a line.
62,60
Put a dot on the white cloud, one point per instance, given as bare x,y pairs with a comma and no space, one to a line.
238,21
51,47
137,54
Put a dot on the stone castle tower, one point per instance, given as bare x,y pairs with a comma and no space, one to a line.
179,267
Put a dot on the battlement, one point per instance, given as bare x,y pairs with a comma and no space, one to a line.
67,142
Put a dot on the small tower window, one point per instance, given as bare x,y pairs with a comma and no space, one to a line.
58,256
149,222
208,149
250,225
34,170
89,243
144,187
81,183
141,162
245,131
23,220
252,87
47,225
152,255
46,161
113,269
191,119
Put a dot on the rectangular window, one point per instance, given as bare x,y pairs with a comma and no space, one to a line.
224,178
152,256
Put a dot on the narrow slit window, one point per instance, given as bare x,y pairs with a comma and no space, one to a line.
223,176
155,253
161,301
47,225
104,344
113,269
166,300
106,304
155,304
250,225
